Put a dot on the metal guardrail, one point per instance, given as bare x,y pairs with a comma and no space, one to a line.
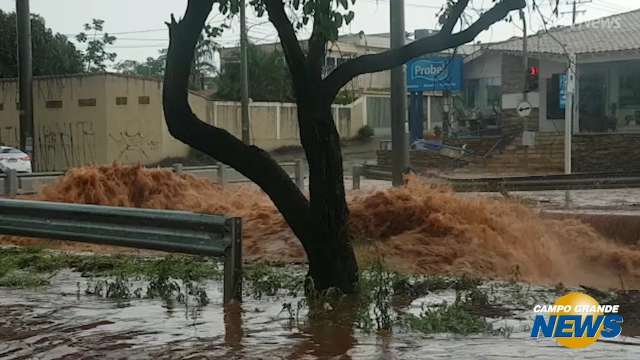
582,181
172,231
376,172
585,181
14,183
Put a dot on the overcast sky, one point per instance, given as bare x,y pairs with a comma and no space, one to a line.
139,25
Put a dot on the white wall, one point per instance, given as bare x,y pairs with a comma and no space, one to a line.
486,66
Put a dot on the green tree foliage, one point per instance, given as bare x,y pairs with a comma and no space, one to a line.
53,53
96,55
268,73
202,66
152,67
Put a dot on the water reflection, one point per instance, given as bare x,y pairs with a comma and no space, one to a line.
56,323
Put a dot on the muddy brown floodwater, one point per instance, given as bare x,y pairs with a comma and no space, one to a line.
420,228
60,322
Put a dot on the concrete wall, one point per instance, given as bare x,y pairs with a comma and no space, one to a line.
487,66
105,118
134,128
273,125
69,120
605,152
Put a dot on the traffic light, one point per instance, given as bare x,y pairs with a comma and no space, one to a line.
533,78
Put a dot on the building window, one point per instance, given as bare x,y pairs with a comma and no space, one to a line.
1,106
144,100
556,97
483,94
86,102
630,89
121,100
470,91
494,95
54,104
17,106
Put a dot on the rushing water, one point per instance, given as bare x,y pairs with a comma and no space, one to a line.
419,228
60,321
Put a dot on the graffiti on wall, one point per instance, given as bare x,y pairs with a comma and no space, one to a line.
9,136
64,145
133,146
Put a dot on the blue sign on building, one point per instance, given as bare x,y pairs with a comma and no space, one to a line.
563,91
435,74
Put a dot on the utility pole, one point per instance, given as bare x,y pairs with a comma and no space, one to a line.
525,65
244,75
399,146
569,111
574,11
25,74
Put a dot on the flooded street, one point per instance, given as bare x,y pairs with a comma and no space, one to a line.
61,321
423,230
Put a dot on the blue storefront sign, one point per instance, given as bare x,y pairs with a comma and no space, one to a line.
563,91
435,74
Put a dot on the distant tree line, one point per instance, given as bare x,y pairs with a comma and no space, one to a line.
52,53
269,77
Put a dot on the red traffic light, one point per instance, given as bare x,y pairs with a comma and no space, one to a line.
534,71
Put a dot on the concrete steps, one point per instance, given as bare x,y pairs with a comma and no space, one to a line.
547,155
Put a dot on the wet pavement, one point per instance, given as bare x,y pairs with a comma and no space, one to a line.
61,322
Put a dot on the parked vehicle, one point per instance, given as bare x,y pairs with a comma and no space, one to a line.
12,158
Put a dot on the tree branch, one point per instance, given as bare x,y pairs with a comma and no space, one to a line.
396,57
289,41
318,39
253,162
456,12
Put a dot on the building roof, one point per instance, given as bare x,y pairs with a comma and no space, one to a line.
353,43
620,32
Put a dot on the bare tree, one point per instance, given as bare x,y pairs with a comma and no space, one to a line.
320,222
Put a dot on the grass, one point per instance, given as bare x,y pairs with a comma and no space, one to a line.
263,279
379,305
21,280
448,318
36,260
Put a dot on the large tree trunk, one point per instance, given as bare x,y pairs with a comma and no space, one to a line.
332,262
321,223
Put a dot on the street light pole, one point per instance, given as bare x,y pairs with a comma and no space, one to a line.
25,75
244,75
399,146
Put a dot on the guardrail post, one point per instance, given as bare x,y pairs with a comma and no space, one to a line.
357,172
177,168
568,202
233,263
299,174
221,174
11,183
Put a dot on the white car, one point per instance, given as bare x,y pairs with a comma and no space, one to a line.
12,158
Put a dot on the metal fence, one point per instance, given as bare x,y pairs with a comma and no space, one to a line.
172,231
12,183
